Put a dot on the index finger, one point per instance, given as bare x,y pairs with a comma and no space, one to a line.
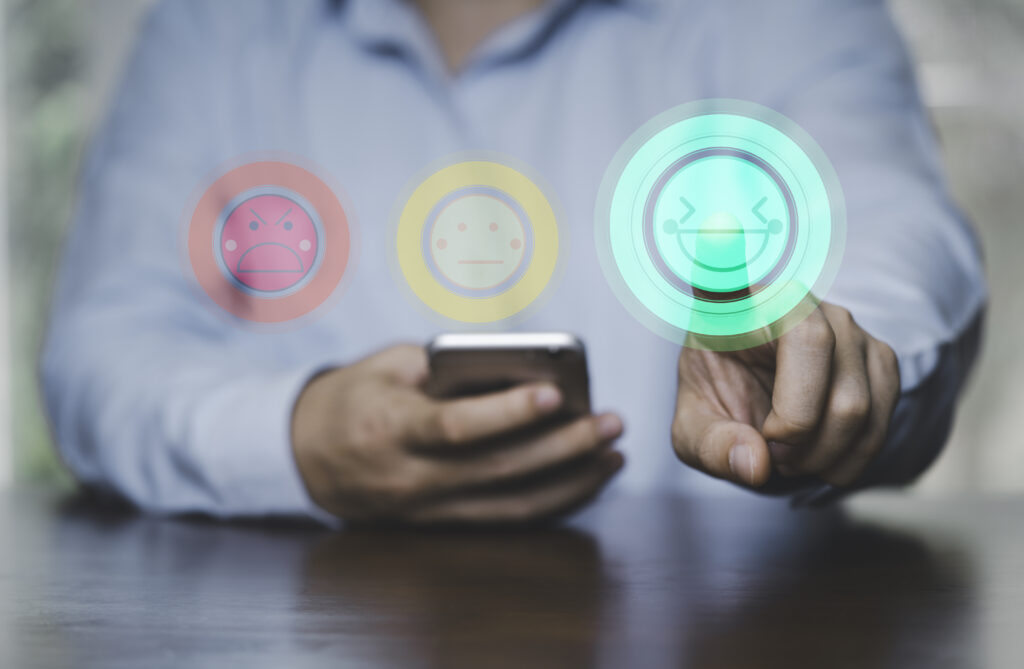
803,377
453,423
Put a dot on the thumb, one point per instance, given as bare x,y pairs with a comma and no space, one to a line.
405,364
712,442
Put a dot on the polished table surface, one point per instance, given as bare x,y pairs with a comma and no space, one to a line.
888,581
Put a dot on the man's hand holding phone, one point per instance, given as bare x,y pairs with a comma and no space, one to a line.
371,445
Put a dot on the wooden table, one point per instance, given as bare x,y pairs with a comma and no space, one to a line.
892,581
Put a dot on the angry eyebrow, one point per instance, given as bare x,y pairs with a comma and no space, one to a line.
257,216
284,215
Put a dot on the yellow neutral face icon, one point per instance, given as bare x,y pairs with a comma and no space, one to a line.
477,241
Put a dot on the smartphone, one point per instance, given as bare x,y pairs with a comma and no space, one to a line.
472,364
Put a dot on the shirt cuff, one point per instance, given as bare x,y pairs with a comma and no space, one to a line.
245,431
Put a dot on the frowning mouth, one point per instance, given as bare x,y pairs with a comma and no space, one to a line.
481,262
270,258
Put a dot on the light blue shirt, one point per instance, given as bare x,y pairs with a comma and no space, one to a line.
156,395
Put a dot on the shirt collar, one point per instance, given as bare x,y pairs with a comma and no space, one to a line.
380,23
396,26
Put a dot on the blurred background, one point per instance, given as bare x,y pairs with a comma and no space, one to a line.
61,59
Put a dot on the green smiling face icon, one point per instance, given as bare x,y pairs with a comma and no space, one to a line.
720,224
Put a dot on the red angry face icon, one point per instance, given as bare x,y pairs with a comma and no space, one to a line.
268,242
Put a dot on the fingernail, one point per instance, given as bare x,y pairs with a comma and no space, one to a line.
614,461
609,426
547,398
741,462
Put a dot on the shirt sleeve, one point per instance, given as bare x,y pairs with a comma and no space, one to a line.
912,272
149,393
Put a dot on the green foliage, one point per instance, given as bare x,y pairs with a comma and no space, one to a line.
47,131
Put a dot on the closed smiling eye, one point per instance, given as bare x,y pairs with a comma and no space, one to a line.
772,226
671,226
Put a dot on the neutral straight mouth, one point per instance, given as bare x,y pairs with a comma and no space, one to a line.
481,262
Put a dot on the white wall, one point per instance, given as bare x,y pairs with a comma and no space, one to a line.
969,56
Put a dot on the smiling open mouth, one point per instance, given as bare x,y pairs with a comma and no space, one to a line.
764,234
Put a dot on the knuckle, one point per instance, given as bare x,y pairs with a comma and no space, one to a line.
574,441
797,428
590,434
523,404
406,355
816,333
704,451
401,364
448,427
840,315
579,436
691,451
850,405
372,428
889,359
519,409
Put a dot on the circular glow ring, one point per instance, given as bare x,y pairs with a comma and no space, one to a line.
810,212
281,179
416,263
